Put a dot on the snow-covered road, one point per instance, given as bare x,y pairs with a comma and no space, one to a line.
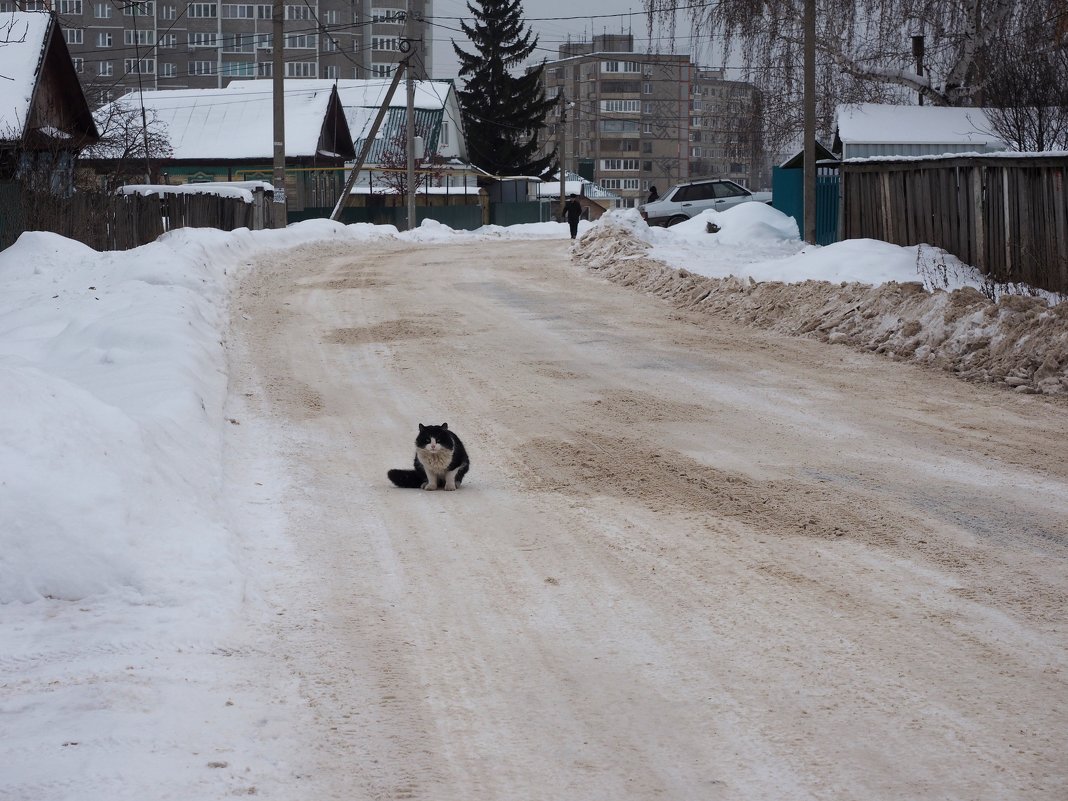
690,560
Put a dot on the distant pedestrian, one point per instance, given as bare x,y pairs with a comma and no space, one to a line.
653,194
573,211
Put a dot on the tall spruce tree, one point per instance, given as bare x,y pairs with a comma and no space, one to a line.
504,114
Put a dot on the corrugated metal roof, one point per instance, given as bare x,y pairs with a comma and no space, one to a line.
394,128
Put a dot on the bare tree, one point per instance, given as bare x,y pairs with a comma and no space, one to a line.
130,147
1026,93
864,49
394,164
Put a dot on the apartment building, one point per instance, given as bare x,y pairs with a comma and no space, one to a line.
634,120
122,45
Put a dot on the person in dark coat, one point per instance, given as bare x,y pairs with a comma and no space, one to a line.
573,211
653,194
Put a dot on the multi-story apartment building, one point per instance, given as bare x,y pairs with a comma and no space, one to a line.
122,45
636,120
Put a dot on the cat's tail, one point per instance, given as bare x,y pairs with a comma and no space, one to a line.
409,479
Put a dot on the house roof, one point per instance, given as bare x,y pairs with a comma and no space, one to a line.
41,100
362,98
875,123
22,45
238,122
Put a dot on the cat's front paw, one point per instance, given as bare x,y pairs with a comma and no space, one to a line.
430,487
450,487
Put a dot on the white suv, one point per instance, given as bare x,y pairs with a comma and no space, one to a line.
684,201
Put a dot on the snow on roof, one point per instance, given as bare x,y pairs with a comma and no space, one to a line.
22,39
575,185
242,190
875,123
238,122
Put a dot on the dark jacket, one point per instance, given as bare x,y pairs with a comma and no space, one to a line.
573,210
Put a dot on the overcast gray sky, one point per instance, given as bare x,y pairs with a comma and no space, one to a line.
553,21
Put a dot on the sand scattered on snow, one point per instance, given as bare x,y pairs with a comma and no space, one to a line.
1018,341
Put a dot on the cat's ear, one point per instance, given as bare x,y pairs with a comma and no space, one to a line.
422,427
445,426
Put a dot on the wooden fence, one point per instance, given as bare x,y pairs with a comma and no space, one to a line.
1006,215
122,222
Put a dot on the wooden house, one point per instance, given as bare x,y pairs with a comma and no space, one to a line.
45,120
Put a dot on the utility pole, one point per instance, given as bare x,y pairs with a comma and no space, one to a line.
810,122
409,35
278,82
561,142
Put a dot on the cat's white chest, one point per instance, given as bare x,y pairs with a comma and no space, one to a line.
436,461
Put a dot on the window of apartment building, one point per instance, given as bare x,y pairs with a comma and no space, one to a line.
695,152
168,12
621,106
611,183
239,69
105,69
647,87
695,122
330,45
620,66
619,164
138,37
264,41
203,10
387,16
332,72
384,43
74,36
301,69
298,12
145,8
144,66
102,10
382,70
443,139
203,39
647,147
630,183
619,126
235,11
264,69
239,42
647,127
168,41
69,7
168,70
104,39
202,68
331,17
79,64
647,108
302,41
647,166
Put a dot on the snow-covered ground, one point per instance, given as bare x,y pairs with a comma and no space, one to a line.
113,531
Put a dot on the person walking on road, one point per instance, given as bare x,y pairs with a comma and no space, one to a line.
573,211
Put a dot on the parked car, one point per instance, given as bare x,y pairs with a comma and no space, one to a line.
687,200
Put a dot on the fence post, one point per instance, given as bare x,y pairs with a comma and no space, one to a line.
978,179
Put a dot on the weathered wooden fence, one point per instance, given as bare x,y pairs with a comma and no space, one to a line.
122,222
1006,215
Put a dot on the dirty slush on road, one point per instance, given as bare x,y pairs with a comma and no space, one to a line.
694,558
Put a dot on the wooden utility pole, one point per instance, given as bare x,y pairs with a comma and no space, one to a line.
561,142
278,82
369,139
409,35
810,122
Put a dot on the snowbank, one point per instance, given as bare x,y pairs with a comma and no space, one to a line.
1020,341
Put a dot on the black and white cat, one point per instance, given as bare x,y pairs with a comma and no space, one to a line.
440,461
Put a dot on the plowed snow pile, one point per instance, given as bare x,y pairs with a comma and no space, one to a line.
1020,340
